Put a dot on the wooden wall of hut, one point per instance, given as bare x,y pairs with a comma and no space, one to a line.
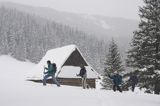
71,81
76,82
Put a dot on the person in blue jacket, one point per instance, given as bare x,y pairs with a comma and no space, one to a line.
117,81
50,73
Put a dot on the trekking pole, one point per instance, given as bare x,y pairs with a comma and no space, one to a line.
43,71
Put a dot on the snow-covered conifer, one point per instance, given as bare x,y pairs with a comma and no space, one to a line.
145,46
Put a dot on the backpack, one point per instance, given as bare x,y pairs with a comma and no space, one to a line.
54,67
82,72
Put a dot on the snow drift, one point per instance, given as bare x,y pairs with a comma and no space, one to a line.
16,91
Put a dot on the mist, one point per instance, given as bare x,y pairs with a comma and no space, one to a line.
113,8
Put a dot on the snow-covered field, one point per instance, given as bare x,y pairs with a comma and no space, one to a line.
16,91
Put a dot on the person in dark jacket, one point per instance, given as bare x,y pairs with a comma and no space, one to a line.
117,81
50,73
133,80
83,74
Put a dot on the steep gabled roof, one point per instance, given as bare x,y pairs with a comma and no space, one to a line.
65,56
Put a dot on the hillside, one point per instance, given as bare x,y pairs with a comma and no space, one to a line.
102,27
28,37
17,91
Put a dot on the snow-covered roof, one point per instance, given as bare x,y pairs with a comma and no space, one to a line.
60,56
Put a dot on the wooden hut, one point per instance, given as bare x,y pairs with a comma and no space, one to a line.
68,60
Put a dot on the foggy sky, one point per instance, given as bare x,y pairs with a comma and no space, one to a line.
112,8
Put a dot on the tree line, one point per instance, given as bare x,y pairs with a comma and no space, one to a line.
28,37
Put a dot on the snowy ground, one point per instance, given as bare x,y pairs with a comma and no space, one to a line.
16,91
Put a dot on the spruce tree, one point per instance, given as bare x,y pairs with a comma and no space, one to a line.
145,47
112,63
